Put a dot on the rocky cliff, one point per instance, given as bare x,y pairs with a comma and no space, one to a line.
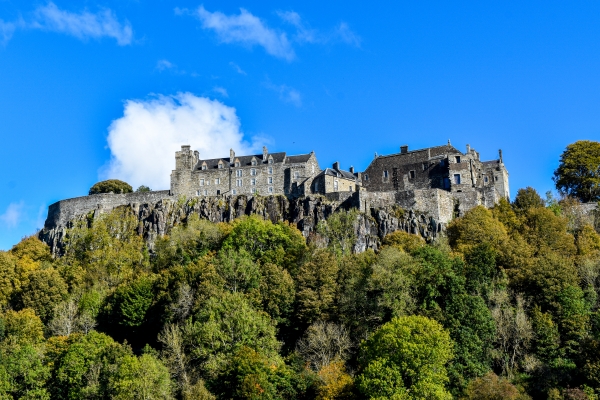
157,217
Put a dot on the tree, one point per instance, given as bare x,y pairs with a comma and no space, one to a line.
404,241
477,226
44,291
140,378
143,189
22,327
527,198
224,324
9,280
111,185
406,359
578,173
339,230
324,343
492,387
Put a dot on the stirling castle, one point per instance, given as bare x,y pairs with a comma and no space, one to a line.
431,186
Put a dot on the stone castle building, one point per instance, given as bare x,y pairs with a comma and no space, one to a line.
433,185
262,174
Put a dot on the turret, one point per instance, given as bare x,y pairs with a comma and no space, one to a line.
186,159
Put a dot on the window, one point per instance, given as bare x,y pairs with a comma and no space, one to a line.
443,163
425,165
485,179
253,162
217,181
457,159
496,178
201,182
197,193
218,192
238,172
238,182
350,188
385,174
335,185
220,165
253,182
366,177
446,183
205,192
457,179
296,175
313,168
270,190
233,191
270,170
411,174
316,186
253,172
270,161
270,180
204,167
237,163
253,190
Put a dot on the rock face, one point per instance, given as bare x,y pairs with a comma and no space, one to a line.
156,218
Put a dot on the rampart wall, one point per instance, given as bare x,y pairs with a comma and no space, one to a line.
61,212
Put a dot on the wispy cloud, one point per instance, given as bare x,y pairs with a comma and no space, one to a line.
221,90
13,214
286,93
162,65
345,34
246,29
6,31
306,34
237,68
83,25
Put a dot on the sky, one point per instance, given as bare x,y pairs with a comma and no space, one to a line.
91,90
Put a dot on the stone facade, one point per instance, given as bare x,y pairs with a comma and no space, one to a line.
432,186
441,180
263,174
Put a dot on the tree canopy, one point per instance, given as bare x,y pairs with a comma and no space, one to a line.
578,173
111,185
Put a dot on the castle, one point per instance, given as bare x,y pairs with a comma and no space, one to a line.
434,185
440,181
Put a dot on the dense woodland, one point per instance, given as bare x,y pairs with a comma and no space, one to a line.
504,307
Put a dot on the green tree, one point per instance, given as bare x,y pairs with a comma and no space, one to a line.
224,324
578,173
526,199
22,327
143,189
239,272
43,292
339,230
140,378
406,359
23,373
317,286
492,387
9,280
477,226
111,185
281,243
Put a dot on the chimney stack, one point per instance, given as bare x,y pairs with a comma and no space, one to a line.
336,165
468,148
500,154
265,152
231,156
403,149
351,169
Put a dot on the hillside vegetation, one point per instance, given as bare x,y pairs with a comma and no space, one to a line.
504,307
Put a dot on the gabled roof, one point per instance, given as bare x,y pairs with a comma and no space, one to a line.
247,160
342,174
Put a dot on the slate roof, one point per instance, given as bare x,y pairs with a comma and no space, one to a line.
247,160
333,172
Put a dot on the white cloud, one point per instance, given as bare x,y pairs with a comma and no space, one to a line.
286,93
345,34
237,68
143,142
248,30
161,65
13,214
6,31
221,90
82,25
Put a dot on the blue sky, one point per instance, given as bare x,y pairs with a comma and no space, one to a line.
91,90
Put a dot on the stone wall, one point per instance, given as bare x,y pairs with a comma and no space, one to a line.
64,211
